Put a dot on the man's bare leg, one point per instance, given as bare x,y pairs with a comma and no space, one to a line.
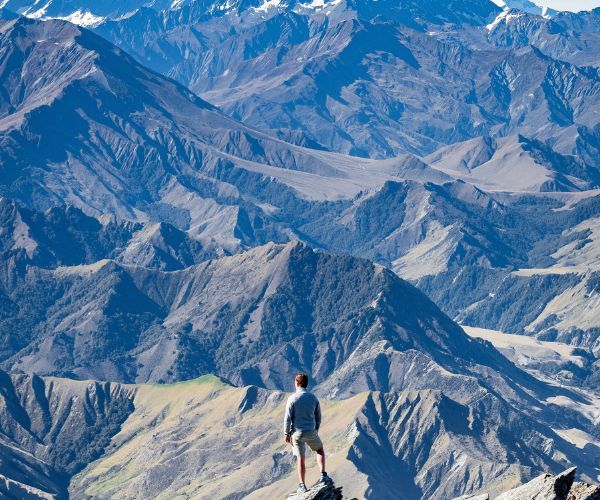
301,469
321,460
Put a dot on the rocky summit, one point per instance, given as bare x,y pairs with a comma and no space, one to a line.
319,492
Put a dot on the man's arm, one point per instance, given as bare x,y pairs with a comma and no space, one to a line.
317,415
288,418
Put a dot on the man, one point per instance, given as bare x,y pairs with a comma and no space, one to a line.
301,427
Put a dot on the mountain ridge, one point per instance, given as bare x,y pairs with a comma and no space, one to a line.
356,430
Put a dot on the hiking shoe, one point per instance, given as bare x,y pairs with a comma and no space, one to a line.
302,488
325,479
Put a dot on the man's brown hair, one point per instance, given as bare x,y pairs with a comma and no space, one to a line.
302,380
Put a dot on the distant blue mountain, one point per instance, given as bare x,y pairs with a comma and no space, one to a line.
372,79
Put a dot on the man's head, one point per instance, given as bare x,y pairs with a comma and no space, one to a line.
302,380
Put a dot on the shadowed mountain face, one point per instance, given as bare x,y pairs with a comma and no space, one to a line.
253,318
372,79
67,237
114,441
51,429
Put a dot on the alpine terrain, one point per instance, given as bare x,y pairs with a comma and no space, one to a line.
200,198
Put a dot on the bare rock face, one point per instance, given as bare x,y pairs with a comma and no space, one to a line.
548,487
319,492
582,491
545,487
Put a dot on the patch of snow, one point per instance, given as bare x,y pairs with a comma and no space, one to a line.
318,5
37,14
504,17
269,4
127,15
84,18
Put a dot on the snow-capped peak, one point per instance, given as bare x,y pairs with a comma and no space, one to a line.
84,18
526,6
504,17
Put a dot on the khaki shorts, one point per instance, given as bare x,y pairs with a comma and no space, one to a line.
302,438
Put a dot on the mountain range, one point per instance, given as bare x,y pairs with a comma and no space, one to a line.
417,79
373,343
238,191
409,83
130,151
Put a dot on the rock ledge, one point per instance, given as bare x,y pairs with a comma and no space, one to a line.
548,487
319,492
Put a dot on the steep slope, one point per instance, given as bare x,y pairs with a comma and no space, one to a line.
52,428
397,445
252,318
82,123
66,236
62,293
513,164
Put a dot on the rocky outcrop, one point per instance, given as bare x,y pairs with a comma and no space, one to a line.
548,487
545,487
319,492
583,491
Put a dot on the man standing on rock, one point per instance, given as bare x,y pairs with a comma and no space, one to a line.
301,427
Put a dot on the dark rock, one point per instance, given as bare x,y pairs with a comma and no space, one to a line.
319,492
